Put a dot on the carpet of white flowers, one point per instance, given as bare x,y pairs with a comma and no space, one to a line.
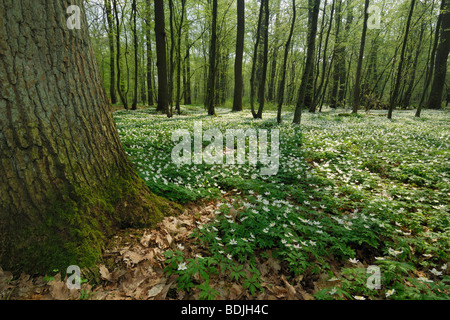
353,195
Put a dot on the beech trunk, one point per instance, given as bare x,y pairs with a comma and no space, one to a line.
65,181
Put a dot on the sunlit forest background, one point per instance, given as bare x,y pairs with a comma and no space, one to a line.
338,40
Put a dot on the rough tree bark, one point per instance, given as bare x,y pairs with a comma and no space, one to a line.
65,181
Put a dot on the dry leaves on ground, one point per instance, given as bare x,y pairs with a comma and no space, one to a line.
134,269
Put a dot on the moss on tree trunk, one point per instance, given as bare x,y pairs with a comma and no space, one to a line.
66,184
75,226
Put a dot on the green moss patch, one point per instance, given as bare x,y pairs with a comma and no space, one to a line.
75,227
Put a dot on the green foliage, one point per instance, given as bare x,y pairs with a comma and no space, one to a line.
343,190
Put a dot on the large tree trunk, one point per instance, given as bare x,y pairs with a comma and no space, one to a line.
65,180
160,35
437,88
238,79
312,31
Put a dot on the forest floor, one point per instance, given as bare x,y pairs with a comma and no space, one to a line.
357,201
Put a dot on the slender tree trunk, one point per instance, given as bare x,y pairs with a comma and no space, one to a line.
187,65
149,56
136,59
318,94
142,73
180,29
338,53
431,59
346,92
283,69
344,74
312,31
127,66
291,86
328,76
255,60
437,87
394,96
262,82
112,67
123,97
407,96
210,93
66,184
171,56
238,79
271,94
357,89
373,68
160,35
316,68
309,93
187,89
273,74
222,80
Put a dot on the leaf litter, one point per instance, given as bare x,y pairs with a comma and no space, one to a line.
133,269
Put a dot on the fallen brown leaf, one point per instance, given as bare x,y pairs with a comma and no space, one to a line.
132,258
291,292
163,293
105,274
154,291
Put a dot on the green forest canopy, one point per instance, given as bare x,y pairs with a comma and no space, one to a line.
337,46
